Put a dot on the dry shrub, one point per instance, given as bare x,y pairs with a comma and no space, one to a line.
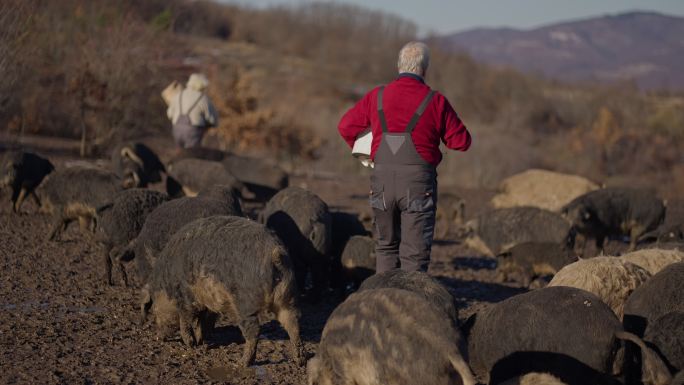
606,128
95,69
246,126
668,118
15,18
260,130
362,42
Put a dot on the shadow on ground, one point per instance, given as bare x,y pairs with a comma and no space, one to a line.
467,291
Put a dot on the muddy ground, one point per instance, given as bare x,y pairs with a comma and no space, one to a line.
61,324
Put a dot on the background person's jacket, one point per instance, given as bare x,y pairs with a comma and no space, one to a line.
202,115
401,98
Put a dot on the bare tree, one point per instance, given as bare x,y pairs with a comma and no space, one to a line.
15,17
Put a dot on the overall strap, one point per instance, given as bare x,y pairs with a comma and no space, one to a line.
194,104
381,112
180,103
419,112
416,115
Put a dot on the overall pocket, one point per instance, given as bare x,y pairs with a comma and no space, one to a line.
377,197
421,199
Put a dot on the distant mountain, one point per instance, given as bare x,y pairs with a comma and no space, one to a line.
645,47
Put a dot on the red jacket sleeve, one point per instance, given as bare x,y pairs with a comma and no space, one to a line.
455,135
356,120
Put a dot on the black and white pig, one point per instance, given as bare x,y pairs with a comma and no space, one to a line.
388,336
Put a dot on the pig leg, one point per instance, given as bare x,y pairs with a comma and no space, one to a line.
86,223
122,270
59,224
501,275
634,234
300,273
36,199
15,195
581,244
203,324
186,321
600,243
83,223
289,320
444,228
442,224
458,363
197,329
145,303
18,200
249,327
108,264
112,257
459,214
208,321
318,279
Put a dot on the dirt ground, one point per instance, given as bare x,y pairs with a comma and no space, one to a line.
60,323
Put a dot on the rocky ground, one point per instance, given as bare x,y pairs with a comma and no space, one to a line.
61,323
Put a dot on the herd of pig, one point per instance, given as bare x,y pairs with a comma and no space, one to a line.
198,257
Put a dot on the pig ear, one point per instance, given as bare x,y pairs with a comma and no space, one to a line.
127,152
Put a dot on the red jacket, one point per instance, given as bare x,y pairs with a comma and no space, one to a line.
400,100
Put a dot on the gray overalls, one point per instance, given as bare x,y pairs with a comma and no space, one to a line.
403,198
185,133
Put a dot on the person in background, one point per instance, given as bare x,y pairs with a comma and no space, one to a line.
192,113
408,120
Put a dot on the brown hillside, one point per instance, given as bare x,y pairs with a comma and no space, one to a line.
285,96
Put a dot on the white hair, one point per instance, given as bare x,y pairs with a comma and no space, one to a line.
414,57
198,82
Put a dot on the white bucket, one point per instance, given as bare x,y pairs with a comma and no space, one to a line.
362,147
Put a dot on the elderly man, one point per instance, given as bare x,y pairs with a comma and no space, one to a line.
191,113
407,120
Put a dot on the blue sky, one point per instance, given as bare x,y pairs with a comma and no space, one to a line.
445,16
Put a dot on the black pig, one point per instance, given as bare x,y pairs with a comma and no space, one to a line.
302,221
563,331
165,220
614,212
77,193
526,262
22,172
224,265
121,221
136,164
